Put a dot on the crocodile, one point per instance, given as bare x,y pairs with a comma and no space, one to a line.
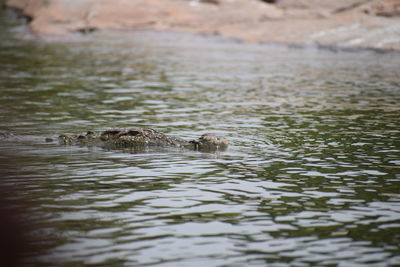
139,138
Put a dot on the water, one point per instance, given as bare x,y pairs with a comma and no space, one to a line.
311,176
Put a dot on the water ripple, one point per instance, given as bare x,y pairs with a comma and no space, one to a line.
311,176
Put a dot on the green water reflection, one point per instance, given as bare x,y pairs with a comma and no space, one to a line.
311,177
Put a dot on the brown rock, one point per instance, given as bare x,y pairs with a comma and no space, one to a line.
317,4
321,22
386,8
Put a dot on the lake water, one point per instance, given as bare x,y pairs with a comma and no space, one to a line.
312,176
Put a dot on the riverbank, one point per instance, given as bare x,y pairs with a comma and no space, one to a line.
371,24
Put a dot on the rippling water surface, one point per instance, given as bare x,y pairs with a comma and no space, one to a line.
311,176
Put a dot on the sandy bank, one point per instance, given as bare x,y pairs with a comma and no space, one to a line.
344,23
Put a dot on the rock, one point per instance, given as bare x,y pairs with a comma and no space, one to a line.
386,8
300,22
317,4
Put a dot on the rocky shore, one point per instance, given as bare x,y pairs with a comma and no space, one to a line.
341,23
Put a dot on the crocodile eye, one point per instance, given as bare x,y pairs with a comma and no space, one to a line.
133,133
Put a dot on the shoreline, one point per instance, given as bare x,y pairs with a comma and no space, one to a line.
344,28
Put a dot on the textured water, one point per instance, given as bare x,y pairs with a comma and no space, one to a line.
311,176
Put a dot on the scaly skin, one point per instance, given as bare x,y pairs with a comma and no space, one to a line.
142,137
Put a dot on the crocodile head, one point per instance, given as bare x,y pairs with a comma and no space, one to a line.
210,142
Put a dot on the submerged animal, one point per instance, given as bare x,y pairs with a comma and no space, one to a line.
141,138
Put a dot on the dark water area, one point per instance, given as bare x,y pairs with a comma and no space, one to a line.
311,177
